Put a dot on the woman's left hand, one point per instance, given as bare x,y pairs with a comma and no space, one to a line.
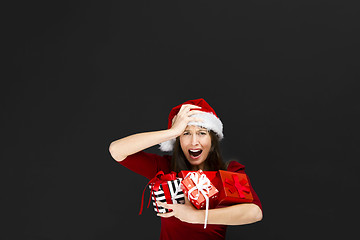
185,212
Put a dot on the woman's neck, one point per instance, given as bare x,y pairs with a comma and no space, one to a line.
197,167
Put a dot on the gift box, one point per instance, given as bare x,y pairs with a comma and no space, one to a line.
164,188
200,191
234,188
197,187
211,175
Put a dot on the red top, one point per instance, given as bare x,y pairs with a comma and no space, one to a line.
147,165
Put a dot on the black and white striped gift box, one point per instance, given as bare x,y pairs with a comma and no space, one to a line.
160,194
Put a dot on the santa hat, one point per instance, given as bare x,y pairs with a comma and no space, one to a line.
208,116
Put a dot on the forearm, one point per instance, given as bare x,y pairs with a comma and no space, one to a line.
239,214
126,146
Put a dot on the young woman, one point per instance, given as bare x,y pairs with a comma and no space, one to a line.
193,134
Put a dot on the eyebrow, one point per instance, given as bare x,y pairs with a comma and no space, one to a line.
201,129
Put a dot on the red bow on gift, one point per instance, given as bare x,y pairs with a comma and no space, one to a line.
240,186
159,178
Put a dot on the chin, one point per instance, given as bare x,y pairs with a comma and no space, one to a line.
195,162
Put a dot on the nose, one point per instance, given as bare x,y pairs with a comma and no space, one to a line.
194,140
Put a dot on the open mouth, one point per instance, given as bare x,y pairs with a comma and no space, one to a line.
195,152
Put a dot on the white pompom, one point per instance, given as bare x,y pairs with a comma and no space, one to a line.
167,146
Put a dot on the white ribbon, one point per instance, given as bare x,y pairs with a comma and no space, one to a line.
203,185
177,190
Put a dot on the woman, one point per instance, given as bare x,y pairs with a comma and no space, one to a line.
193,134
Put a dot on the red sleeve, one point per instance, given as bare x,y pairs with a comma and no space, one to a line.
147,164
238,167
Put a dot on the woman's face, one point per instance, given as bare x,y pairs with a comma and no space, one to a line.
195,142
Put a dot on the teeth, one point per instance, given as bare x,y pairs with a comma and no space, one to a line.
198,150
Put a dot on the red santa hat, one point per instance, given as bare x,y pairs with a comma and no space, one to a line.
210,121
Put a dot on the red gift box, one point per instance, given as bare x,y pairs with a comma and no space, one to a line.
211,175
234,188
214,179
197,185
200,191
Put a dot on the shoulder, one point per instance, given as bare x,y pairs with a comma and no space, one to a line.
147,164
235,166
148,156
163,159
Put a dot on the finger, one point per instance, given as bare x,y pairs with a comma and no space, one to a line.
193,112
185,106
186,200
188,107
173,120
191,107
164,205
166,215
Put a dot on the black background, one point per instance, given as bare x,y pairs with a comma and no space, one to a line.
282,76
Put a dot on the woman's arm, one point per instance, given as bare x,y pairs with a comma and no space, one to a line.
239,214
124,147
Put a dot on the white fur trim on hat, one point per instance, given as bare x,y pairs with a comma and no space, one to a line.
210,122
167,146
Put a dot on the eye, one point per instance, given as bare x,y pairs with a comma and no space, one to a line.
186,133
202,133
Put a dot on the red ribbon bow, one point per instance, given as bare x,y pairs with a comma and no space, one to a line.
159,178
240,186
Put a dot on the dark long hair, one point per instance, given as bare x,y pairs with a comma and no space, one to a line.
213,161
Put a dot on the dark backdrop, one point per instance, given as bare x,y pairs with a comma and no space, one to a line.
280,74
